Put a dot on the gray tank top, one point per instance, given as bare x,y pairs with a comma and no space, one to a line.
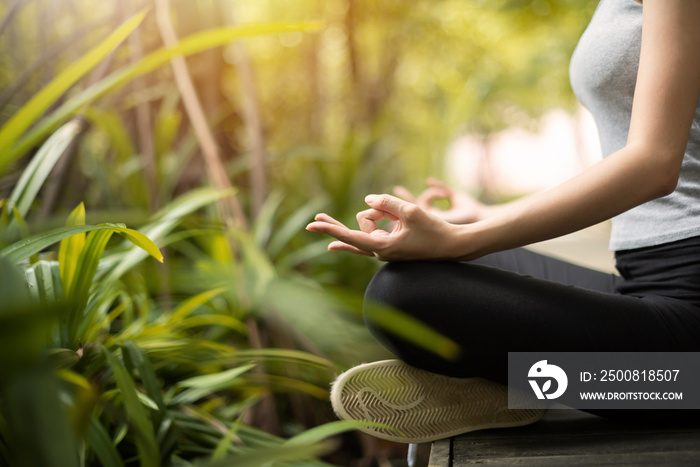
603,75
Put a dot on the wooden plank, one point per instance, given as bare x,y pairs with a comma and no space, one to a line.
569,437
657,459
440,453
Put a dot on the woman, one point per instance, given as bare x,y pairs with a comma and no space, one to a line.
637,69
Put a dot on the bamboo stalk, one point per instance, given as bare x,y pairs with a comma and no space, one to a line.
229,207
253,124
144,126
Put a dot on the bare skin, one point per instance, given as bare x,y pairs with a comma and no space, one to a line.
648,167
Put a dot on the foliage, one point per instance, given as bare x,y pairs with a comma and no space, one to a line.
216,355
145,385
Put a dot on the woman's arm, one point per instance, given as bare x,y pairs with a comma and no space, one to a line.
666,96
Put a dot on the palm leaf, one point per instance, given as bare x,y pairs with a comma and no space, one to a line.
25,248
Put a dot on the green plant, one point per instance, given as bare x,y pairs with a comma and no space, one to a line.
131,385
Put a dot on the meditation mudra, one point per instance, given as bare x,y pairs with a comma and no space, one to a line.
463,273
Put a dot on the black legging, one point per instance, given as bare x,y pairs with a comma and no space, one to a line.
520,301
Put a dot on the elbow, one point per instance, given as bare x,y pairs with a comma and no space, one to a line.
666,187
665,181
660,169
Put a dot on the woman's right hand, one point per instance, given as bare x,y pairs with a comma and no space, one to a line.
464,209
415,234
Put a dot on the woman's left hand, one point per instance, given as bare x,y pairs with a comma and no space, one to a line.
416,234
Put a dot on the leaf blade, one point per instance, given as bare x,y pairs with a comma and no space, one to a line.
70,248
32,110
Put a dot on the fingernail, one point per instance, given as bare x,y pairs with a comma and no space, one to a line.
370,198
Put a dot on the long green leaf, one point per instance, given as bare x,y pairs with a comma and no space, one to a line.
41,165
110,121
293,225
223,446
217,381
70,248
187,46
100,443
80,288
263,225
163,223
24,325
39,419
319,433
44,281
34,244
415,331
192,303
282,355
140,362
143,435
277,455
141,241
199,387
31,111
25,248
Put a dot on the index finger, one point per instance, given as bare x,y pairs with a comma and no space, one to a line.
361,240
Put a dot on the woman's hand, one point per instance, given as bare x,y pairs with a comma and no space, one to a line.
463,209
415,234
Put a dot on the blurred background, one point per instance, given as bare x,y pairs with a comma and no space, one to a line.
210,132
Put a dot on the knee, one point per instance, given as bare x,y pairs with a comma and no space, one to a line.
390,286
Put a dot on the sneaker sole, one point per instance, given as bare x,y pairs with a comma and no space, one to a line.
423,406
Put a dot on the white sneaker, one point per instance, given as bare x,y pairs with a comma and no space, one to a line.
420,405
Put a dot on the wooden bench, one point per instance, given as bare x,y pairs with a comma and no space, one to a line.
571,437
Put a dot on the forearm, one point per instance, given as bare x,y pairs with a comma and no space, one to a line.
616,184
